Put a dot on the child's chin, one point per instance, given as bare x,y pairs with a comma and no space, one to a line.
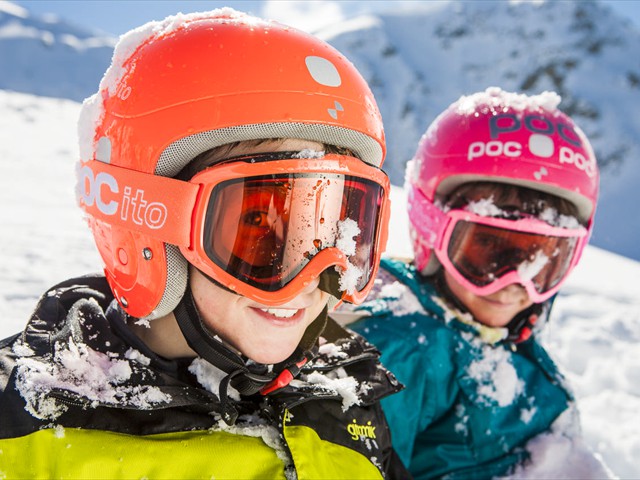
270,356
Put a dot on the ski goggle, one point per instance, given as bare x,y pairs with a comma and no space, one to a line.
485,254
266,225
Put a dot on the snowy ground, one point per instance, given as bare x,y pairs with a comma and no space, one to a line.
594,332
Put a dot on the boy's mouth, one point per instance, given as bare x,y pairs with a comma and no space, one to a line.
280,312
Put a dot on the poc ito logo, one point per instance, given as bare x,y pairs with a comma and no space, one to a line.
131,205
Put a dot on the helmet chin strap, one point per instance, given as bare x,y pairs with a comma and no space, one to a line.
246,376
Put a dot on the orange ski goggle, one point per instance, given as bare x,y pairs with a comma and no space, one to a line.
263,225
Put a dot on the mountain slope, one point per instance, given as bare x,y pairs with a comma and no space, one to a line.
419,62
50,57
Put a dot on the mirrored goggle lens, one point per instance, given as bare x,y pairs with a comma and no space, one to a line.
264,230
484,253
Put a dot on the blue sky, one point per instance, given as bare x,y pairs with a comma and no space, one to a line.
118,16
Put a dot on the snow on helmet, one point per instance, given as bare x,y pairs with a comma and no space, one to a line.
189,83
500,137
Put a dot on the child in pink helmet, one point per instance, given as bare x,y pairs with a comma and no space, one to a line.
230,175
501,198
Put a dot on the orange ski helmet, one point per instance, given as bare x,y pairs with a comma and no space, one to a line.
190,83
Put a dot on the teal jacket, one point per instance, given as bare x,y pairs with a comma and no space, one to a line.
471,401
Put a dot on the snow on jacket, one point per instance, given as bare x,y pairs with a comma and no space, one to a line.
469,406
82,397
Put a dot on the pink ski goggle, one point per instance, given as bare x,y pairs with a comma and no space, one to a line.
485,254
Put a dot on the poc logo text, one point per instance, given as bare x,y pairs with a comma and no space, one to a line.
130,205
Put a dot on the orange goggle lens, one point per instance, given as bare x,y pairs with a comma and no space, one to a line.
264,230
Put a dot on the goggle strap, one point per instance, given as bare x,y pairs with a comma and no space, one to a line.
159,207
429,220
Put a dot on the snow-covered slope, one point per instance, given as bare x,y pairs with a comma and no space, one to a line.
594,331
418,62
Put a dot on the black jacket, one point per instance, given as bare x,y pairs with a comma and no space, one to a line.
82,396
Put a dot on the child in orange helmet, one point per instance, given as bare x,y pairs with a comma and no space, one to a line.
230,175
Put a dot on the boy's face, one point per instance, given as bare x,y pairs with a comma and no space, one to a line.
264,334
495,310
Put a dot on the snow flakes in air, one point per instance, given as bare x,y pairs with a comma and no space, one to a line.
93,376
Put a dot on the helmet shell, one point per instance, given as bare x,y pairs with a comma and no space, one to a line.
501,137
190,83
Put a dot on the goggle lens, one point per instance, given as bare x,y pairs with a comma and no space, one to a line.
482,251
264,230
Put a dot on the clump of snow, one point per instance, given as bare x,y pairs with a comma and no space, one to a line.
495,97
561,454
210,376
92,375
485,208
530,268
332,350
496,377
255,426
526,414
309,153
143,322
551,216
92,108
58,431
22,350
347,231
400,299
134,355
336,381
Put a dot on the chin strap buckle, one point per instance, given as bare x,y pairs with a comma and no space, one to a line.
284,378
527,329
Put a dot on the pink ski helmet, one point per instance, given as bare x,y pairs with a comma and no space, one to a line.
501,137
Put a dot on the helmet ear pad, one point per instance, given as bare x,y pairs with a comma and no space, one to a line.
137,265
